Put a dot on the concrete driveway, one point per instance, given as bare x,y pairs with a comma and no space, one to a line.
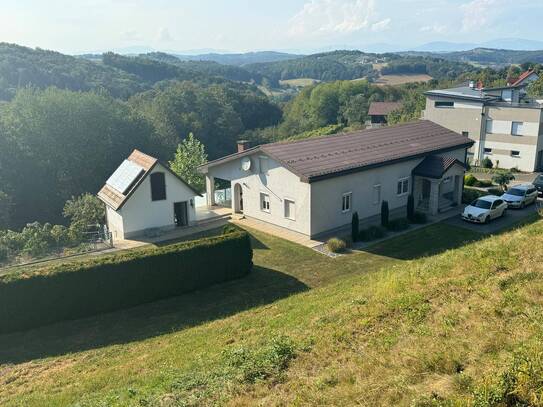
512,217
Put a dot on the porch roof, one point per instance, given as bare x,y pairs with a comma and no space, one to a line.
434,166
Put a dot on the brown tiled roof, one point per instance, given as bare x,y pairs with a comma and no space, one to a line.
330,156
383,108
115,199
523,76
435,166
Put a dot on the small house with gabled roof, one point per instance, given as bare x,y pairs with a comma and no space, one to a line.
144,195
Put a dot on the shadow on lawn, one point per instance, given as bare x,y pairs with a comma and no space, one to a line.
261,287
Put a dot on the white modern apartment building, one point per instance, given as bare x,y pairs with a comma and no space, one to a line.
505,124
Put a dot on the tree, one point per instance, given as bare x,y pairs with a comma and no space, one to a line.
5,210
536,88
503,179
84,210
384,214
355,223
189,155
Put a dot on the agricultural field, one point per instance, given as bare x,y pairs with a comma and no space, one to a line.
401,79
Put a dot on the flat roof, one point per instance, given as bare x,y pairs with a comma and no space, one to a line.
462,92
325,157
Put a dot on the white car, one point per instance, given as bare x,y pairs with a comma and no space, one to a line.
520,196
484,209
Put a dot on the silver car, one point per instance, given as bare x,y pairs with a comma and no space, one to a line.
484,209
520,196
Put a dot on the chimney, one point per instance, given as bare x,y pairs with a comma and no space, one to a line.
243,145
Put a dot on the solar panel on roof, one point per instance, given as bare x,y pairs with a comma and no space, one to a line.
125,176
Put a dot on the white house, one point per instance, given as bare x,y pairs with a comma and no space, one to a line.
313,186
144,194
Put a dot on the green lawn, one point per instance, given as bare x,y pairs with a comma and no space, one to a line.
408,322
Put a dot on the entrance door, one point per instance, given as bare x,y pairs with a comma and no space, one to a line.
180,213
238,199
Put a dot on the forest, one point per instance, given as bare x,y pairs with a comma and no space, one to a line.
67,122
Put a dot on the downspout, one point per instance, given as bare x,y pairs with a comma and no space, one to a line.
482,134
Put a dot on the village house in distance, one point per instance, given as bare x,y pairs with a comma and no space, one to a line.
506,125
314,186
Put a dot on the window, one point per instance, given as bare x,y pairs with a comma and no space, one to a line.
377,194
290,209
158,186
447,180
515,153
264,202
489,124
496,203
403,186
346,202
488,150
263,165
443,104
517,128
465,133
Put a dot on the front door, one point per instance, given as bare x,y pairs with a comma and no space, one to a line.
180,213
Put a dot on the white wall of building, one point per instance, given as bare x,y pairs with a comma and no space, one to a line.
278,183
115,223
140,212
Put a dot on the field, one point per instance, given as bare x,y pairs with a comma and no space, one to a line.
299,83
401,79
433,317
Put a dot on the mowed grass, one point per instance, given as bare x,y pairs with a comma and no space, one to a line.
406,323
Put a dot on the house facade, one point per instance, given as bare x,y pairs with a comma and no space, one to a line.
144,196
505,124
379,111
314,186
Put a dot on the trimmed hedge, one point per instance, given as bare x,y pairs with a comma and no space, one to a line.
108,283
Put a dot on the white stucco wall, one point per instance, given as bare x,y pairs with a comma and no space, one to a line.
140,212
114,223
279,184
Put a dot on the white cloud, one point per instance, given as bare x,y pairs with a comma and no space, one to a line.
435,28
318,17
131,35
381,25
164,35
478,13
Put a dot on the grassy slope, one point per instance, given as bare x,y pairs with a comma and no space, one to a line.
377,329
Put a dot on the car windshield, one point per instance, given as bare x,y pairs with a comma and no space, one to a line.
481,203
515,192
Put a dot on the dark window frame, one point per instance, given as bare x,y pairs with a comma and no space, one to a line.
443,104
158,191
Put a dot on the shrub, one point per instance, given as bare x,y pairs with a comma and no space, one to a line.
336,245
470,180
355,224
107,283
397,225
384,214
419,218
487,163
372,233
3,253
495,191
230,228
503,179
469,195
410,207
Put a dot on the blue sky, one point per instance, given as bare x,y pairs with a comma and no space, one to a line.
240,25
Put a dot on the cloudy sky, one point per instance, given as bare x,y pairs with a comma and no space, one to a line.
76,26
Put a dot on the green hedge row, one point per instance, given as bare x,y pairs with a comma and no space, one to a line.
107,283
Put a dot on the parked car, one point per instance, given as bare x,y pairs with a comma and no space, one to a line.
520,196
538,183
484,209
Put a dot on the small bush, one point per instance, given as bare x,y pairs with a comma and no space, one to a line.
469,195
3,253
397,225
355,225
385,213
410,207
494,191
419,218
487,163
336,245
470,180
230,228
372,233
